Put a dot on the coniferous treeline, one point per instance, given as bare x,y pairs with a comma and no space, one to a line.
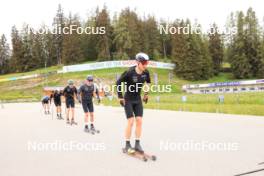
197,56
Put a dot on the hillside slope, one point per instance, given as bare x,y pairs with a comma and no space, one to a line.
32,90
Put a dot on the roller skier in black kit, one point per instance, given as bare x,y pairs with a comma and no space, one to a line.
70,94
57,102
86,93
134,80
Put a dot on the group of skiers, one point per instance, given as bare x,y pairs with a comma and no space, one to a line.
134,78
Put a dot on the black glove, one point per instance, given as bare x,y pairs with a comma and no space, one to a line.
122,102
145,99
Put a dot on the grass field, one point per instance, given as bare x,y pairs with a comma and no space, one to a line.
243,103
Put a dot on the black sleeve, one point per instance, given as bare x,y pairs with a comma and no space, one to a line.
148,80
123,78
64,91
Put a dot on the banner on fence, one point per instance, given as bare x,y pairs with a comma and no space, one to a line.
112,64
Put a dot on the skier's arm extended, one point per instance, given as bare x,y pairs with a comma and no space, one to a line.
122,78
148,81
64,92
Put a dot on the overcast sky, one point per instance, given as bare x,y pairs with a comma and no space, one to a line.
35,13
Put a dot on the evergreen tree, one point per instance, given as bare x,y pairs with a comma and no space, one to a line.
88,42
237,57
72,52
253,43
179,51
150,40
216,49
17,51
104,41
58,25
127,33
190,54
4,55
166,42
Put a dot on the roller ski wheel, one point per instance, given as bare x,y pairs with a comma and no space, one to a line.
148,156
131,152
93,130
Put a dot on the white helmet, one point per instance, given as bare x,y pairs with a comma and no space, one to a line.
142,57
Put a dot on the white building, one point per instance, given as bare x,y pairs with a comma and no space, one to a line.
225,87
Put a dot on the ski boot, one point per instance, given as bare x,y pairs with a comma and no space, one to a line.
138,147
73,122
128,149
86,129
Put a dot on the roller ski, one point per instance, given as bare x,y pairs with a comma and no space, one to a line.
46,112
73,122
148,156
93,130
131,152
86,129
59,117
138,149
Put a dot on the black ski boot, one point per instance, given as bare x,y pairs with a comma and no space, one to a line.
93,130
86,128
92,127
68,121
73,122
138,147
128,148
61,117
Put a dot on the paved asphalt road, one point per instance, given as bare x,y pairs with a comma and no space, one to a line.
186,144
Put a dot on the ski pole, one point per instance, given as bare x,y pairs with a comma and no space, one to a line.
251,172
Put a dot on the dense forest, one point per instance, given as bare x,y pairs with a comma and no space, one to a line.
197,56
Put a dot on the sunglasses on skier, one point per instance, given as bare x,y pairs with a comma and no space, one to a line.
145,62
